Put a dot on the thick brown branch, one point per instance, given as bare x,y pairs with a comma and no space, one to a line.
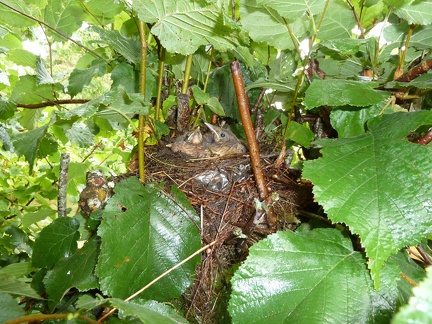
243,104
426,138
416,71
53,103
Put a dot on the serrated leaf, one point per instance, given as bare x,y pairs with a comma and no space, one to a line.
294,8
148,312
74,271
215,106
13,286
344,46
56,241
351,121
80,78
26,91
9,308
145,232
129,48
416,12
378,184
338,21
22,57
15,19
182,25
309,277
27,143
419,309
81,135
300,134
200,96
264,24
104,10
37,216
42,75
342,92
65,16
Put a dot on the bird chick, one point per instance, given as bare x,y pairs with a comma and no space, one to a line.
217,142
220,142
190,144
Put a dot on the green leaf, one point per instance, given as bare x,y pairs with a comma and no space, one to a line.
338,21
144,233
351,121
80,78
7,109
343,92
416,12
129,48
200,96
37,216
56,241
294,8
22,57
26,91
65,16
309,277
148,312
42,75
104,11
126,76
215,106
344,46
15,19
419,309
27,143
9,309
74,271
182,25
13,286
264,24
300,134
378,184
80,134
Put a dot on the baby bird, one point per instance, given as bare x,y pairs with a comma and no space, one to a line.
220,142
217,142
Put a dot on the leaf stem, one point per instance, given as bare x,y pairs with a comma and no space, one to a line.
37,318
160,82
141,121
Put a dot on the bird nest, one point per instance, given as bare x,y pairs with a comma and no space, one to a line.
223,192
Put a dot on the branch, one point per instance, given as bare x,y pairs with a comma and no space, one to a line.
62,185
37,318
53,29
52,103
416,71
243,104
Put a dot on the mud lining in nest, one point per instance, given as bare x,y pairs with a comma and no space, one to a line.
226,208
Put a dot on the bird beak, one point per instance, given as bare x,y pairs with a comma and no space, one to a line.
213,130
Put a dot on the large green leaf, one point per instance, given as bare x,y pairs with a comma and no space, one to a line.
295,8
15,19
182,25
56,241
264,24
343,92
74,271
65,16
149,311
338,22
9,309
416,12
80,78
14,286
378,184
144,233
419,309
307,277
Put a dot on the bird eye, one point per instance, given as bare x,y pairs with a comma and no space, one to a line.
222,135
